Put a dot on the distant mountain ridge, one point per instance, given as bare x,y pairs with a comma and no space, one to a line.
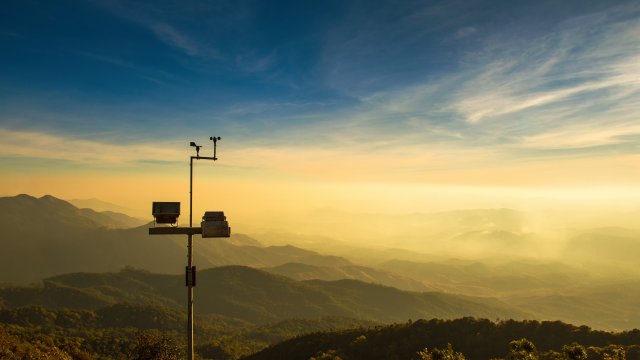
51,236
99,205
45,237
48,210
111,219
479,278
253,295
57,238
300,271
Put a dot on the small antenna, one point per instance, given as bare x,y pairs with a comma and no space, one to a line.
215,140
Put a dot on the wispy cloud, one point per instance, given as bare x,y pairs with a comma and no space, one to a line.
581,58
465,31
33,144
400,163
156,76
581,137
146,15
578,86
254,63
308,162
575,85
172,36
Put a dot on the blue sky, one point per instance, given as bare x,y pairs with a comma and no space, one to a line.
422,86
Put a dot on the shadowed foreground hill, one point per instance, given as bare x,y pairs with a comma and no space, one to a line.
475,338
255,296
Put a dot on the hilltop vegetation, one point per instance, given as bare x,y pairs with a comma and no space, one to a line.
244,310
474,338
113,331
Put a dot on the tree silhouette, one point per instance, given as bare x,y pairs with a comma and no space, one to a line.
614,353
153,346
574,351
522,349
440,354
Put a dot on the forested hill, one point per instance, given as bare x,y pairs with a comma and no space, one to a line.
111,332
474,338
253,295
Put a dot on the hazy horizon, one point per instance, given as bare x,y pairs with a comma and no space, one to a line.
598,243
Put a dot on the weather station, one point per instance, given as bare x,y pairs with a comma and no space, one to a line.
214,225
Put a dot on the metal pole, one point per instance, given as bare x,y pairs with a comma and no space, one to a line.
190,273
190,269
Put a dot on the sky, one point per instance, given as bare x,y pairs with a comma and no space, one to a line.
375,106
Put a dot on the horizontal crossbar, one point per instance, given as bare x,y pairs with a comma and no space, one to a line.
175,230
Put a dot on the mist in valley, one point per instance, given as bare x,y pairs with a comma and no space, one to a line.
593,241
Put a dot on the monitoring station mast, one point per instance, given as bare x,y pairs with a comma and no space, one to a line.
214,224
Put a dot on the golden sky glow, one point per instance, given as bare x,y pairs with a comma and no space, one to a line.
435,107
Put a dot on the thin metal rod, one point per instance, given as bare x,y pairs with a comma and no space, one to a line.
190,274
191,191
189,269
190,302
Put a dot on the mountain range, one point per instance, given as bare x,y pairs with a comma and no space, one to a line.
54,237
44,238
253,295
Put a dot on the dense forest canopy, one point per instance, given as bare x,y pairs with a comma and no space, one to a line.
118,330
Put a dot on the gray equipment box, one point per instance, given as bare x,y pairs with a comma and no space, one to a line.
165,212
214,216
214,224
